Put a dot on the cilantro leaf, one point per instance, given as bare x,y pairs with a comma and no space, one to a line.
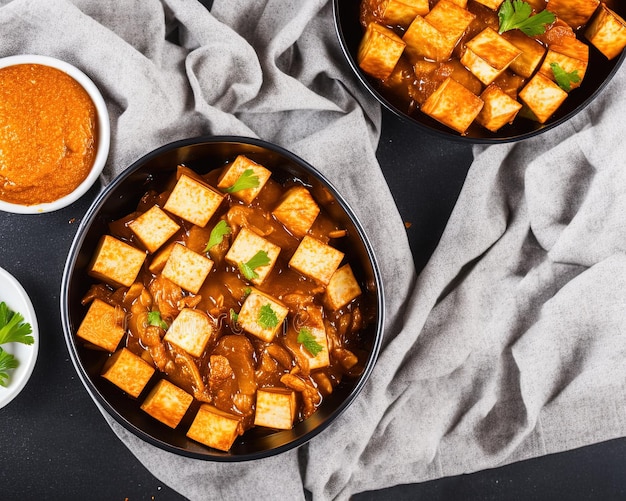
248,268
267,317
154,318
219,231
247,179
13,329
563,78
7,362
306,339
517,14
234,316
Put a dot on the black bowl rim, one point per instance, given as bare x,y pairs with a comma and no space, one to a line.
88,219
452,135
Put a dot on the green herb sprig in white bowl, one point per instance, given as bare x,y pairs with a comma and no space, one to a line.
13,329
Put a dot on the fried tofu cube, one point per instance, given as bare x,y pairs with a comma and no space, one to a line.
435,35
532,53
607,32
499,109
542,97
402,12
488,54
262,315
424,40
275,408
316,259
450,19
571,47
576,13
297,210
128,371
491,4
153,228
342,288
102,326
193,200
167,403
116,262
190,331
245,246
314,326
510,83
462,75
214,428
453,105
566,63
160,259
187,268
379,51
235,170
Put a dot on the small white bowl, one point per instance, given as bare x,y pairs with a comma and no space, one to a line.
104,134
16,298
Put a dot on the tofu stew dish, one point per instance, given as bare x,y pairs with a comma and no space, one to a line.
226,303
487,63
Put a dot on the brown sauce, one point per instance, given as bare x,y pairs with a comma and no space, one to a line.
47,134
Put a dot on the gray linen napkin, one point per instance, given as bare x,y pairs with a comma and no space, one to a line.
509,345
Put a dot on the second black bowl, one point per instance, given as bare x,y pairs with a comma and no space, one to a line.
600,72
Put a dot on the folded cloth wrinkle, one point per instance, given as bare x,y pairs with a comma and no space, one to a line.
205,99
260,28
599,222
591,342
280,91
568,182
280,38
206,69
150,12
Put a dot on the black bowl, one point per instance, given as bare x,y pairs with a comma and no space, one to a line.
599,73
120,198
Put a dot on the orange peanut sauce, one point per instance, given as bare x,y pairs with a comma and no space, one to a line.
48,134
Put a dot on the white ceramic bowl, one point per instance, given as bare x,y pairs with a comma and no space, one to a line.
103,127
16,298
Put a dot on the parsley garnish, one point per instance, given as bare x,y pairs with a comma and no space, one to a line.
306,339
259,259
219,231
267,317
516,14
247,179
234,316
154,318
7,362
13,329
563,78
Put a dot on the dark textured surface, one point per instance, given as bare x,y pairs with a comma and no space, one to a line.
55,444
